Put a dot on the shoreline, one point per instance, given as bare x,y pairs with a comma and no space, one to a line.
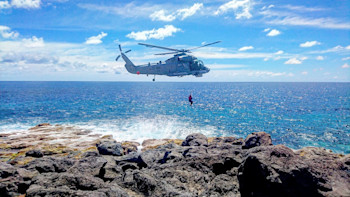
67,161
91,129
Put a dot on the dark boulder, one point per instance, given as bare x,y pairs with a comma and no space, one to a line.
257,139
50,164
93,165
278,171
145,183
34,153
195,139
110,147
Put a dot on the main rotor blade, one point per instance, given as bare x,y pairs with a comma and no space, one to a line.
154,46
165,53
127,51
203,45
116,59
120,48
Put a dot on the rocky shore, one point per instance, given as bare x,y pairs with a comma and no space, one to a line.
55,160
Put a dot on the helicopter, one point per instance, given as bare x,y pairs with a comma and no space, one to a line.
181,64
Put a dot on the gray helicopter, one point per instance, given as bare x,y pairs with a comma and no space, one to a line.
179,65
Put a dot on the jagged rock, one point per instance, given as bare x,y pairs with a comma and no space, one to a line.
130,147
278,171
195,139
93,165
144,183
26,174
223,166
34,153
68,184
257,139
224,185
228,140
109,147
6,170
50,164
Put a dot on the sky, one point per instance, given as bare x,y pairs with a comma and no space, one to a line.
261,41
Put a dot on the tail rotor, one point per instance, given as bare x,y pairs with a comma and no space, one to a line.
121,51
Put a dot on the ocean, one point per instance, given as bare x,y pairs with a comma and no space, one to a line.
295,114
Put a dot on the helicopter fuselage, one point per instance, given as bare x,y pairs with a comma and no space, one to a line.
179,65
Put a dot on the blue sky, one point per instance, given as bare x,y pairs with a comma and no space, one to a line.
66,40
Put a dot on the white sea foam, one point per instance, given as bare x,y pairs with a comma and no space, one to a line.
140,128
12,128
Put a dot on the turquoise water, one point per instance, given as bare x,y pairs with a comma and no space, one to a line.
295,114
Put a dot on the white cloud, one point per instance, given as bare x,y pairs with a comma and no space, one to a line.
335,49
274,32
227,55
186,12
266,30
241,8
346,65
267,7
345,58
6,32
303,8
33,42
181,13
160,16
279,52
325,23
266,74
293,61
4,5
309,43
304,73
26,4
159,34
245,48
96,39
319,58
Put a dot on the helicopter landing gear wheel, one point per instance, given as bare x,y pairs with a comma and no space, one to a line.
154,79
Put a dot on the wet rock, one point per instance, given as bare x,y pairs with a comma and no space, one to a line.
34,153
40,126
257,139
195,139
109,147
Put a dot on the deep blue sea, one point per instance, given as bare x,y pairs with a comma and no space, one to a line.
295,114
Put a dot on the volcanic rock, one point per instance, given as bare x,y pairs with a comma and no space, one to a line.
257,139
196,139
34,153
109,147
